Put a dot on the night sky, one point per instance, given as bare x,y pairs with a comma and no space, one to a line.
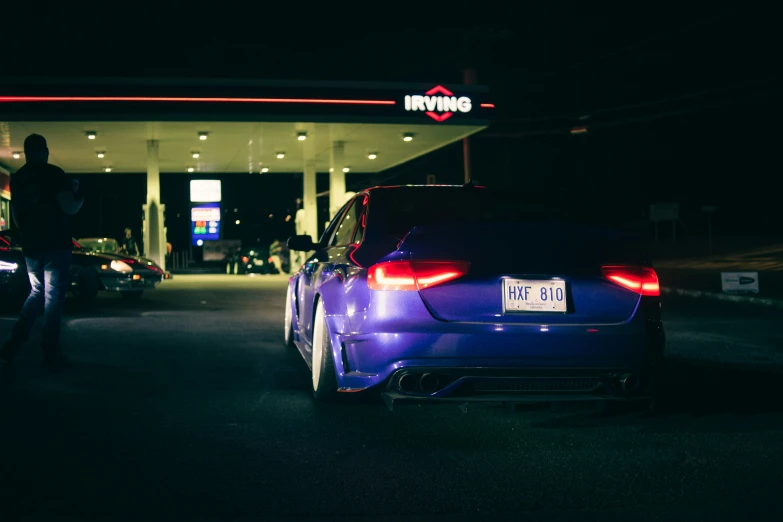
681,104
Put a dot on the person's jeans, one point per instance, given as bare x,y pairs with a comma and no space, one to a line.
49,275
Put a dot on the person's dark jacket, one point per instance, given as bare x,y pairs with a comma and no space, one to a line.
43,199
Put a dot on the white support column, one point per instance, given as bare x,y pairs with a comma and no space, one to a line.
310,201
154,233
336,178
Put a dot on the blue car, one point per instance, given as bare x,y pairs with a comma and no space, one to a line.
462,293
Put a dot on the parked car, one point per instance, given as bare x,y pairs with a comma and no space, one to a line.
281,256
250,260
437,293
91,272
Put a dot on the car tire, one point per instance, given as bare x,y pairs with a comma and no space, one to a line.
288,337
132,296
236,268
87,287
228,268
322,365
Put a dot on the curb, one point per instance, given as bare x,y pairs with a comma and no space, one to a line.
764,301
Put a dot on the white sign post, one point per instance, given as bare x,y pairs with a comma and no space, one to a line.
740,282
709,210
665,212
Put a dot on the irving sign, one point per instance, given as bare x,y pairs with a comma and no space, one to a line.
438,103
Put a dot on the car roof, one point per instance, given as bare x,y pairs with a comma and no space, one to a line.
420,187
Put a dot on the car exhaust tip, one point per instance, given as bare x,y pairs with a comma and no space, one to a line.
629,383
428,382
407,382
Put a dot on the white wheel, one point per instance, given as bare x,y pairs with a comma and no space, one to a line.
318,345
324,377
289,323
228,268
236,268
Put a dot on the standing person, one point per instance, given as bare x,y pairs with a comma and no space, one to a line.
44,198
299,221
129,244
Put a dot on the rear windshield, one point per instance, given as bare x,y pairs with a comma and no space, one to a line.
406,208
109,246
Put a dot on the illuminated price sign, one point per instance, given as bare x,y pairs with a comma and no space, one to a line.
205,221
205,214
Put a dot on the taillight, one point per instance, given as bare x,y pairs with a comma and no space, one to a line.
414,275
641,279
245,259
269,260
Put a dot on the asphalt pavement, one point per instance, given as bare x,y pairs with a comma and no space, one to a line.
186,406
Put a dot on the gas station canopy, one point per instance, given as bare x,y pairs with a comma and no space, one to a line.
229,147
93,125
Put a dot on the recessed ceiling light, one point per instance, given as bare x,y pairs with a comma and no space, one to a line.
280,155
101,154
191,169
16,155
265,169
107,169
195,155
331,169
301,136
91,135
346,169
408,136
203,135
372,155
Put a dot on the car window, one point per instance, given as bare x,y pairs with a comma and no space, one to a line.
10,239
345,230
408,208
329,232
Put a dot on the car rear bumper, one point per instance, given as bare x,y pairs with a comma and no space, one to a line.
520,384
514,360
127,283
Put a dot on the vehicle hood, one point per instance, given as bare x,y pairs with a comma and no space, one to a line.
114,257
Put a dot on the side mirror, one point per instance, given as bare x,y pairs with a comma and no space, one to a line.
302,243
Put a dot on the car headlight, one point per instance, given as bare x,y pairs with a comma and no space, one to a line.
121,266
5,266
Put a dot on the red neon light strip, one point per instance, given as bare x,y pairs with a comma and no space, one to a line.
26,99
488,105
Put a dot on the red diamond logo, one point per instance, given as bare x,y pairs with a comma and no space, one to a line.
439,117
445,92
439,89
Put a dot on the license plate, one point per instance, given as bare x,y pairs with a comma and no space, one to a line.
258,262
525,295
